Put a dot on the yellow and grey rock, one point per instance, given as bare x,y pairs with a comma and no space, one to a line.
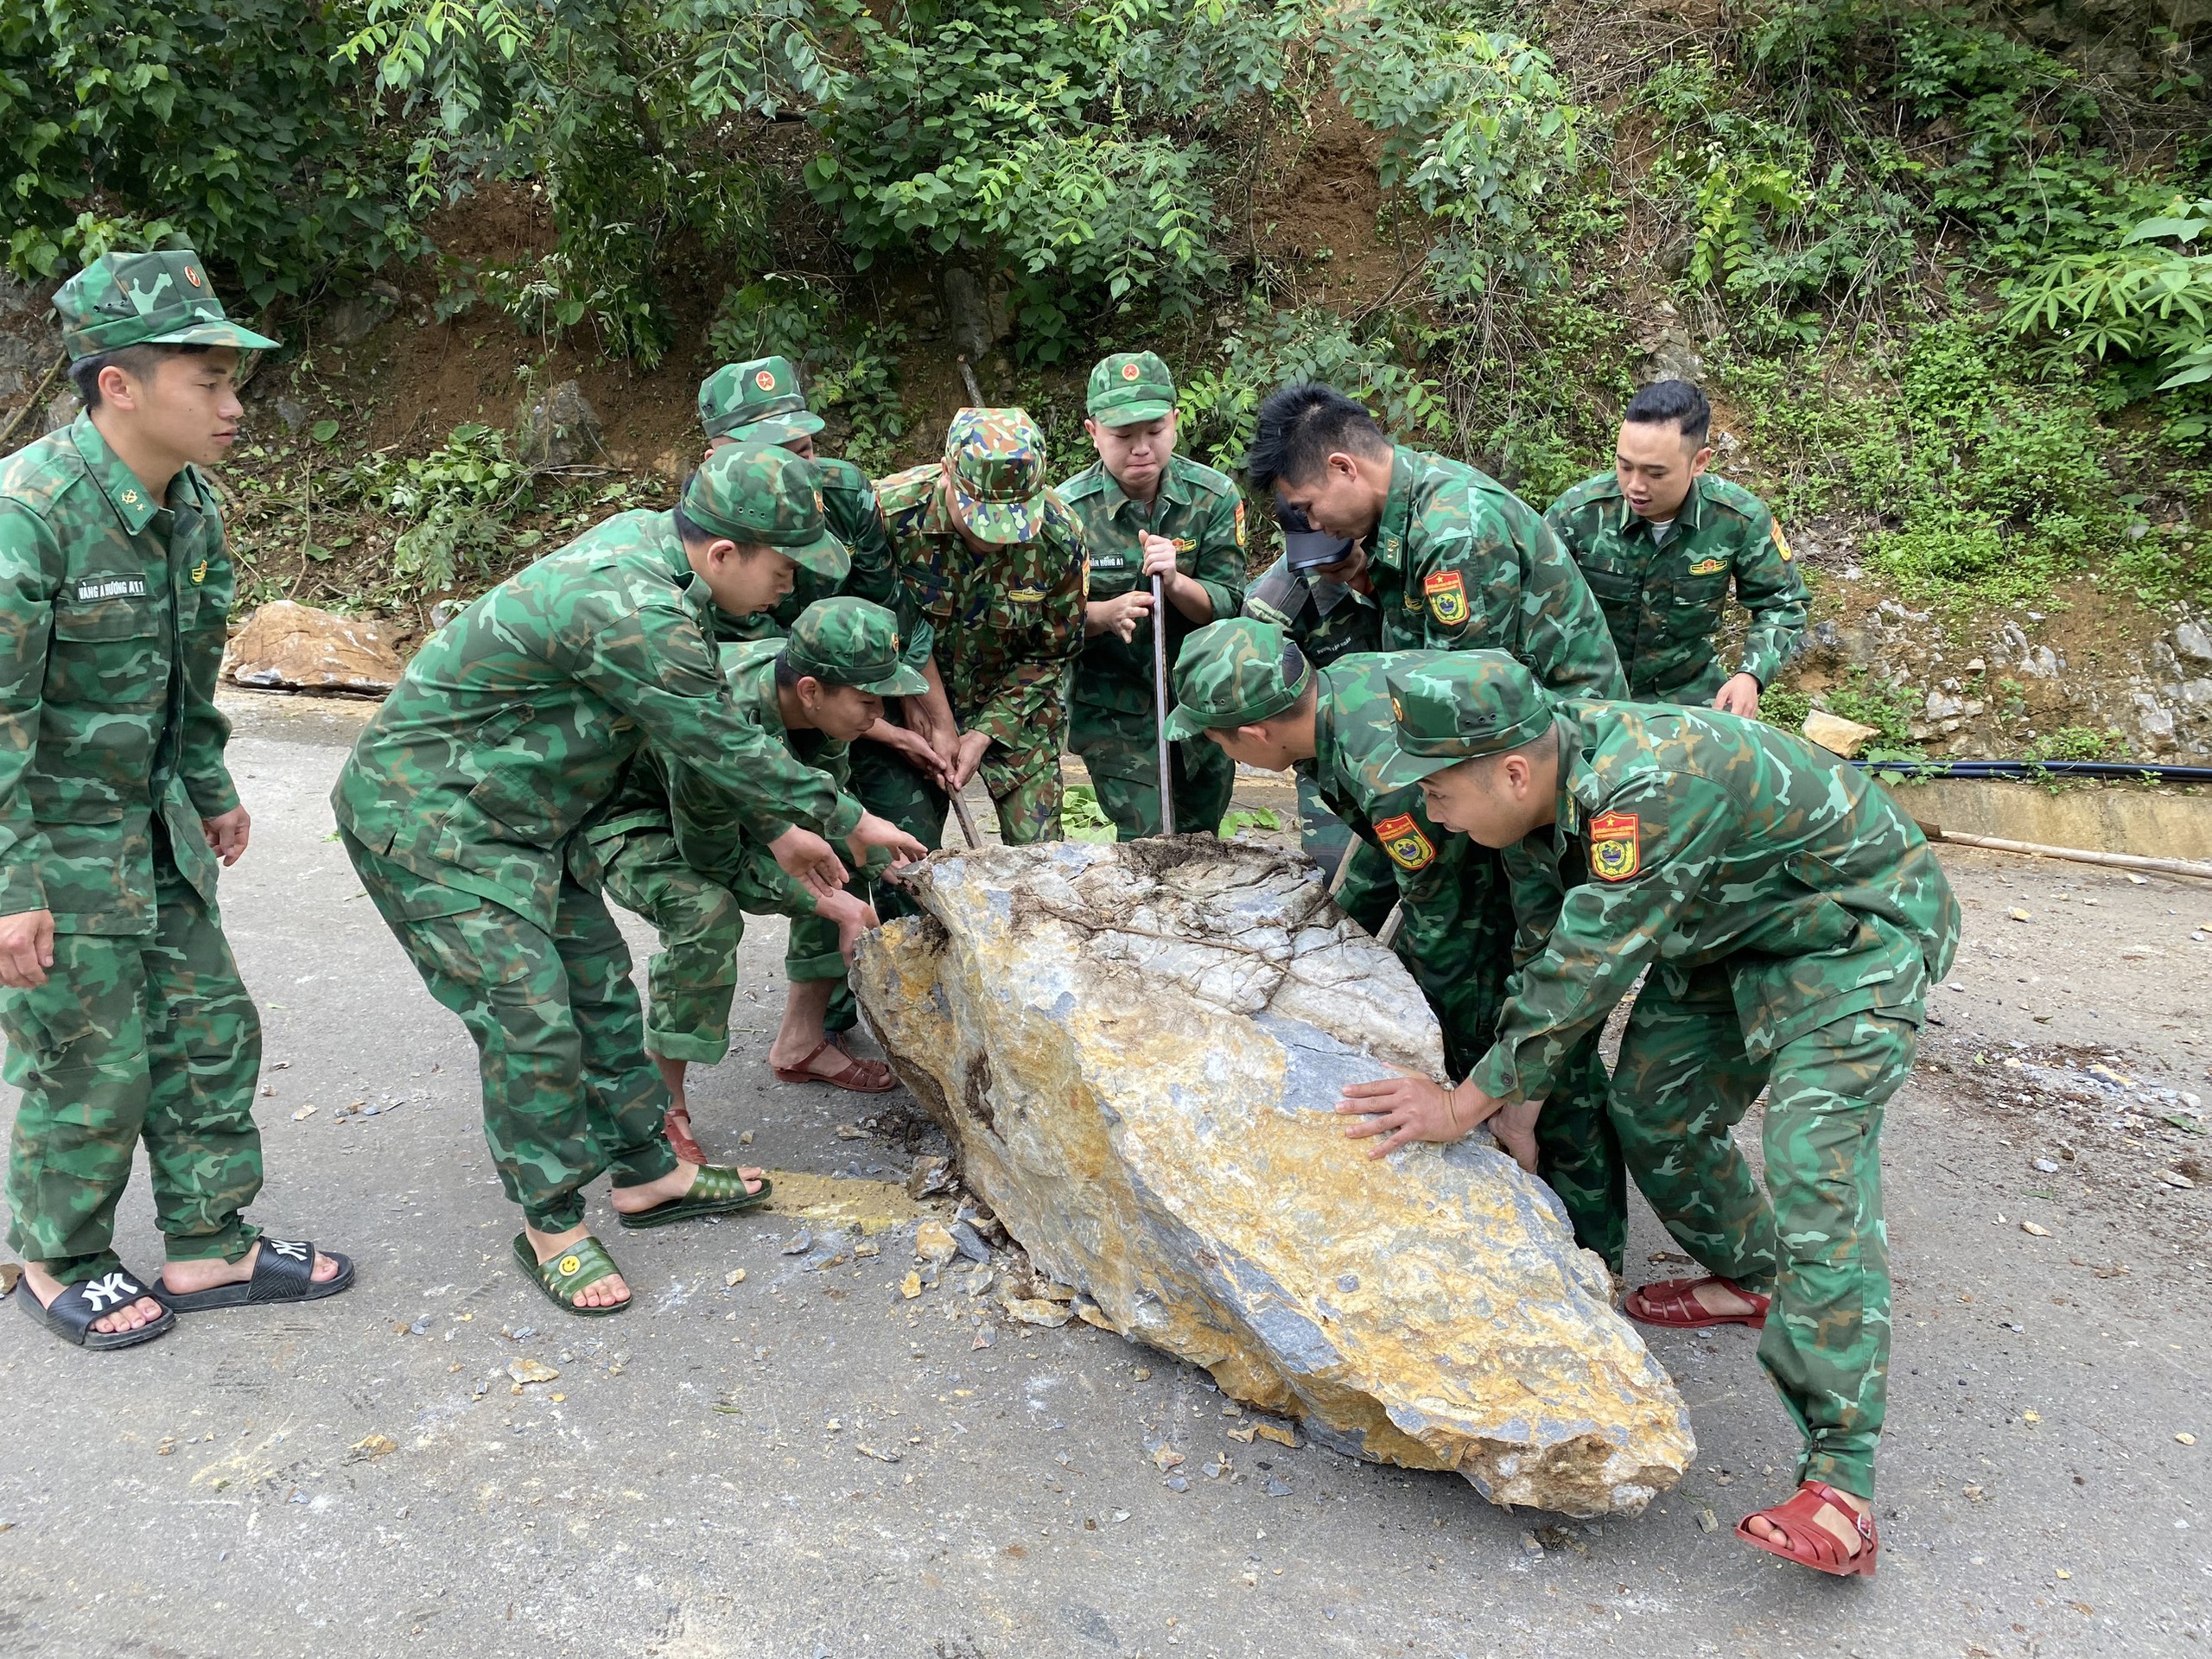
1137,1051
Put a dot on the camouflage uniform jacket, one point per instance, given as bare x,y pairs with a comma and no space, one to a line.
113,608
1354,735
1663,600
1687,836
1198,509
1458,563
514,721
848,509
1009,622
662,791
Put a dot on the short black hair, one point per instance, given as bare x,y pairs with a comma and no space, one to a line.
1301,426
139,360
689,529
787,677
1677,403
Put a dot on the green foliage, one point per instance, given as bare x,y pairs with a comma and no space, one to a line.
617,112
1881,703
1780,706
456,502
1476,127
2147,294
849,373
1219,406
229,125
2076,743
1001,131
1082,817
1253,818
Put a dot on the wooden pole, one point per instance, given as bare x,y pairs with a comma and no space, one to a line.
2075,855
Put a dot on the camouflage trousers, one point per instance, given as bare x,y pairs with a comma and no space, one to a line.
1818,1243
134,1037
1024,784
1122,752
568,1090
1323,835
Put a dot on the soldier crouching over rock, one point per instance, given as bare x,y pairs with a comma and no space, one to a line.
1792,917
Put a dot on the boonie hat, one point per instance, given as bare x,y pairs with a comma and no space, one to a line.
1130,387
756,399
1305,548
757,493
851,641
165,298
1237,673
996,460
1450,706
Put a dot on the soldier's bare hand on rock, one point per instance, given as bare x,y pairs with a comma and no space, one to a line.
852,917
228,834
26,948
1741,696
872,833
1409,1108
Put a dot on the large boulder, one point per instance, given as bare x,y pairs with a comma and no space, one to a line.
289,647
1137,1051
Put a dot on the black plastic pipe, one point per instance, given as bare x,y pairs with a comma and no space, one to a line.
2035,771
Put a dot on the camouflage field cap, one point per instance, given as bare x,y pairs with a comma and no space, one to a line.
146,299
758,399
996,459
1238,673
1130,387
849,641
759,495
1461,705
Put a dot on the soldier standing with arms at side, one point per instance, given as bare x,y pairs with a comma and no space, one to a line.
122,1005
1661,541
1792,918
1147,512
460,798
992,560
1453,561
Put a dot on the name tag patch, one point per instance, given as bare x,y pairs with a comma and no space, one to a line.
92,587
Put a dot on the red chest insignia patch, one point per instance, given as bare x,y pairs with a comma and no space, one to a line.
1402,839
1615,854
1446,593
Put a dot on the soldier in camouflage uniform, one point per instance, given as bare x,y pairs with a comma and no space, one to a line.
1244,685
1792,918
670,847
460,801
122,1005
1660,541
992,560
1146,511
760,401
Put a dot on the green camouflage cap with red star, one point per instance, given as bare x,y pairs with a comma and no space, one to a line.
165,298
759,495
756,399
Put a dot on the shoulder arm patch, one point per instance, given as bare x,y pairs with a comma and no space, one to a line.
1402,839
1616,852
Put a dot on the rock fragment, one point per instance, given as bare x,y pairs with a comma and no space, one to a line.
289,647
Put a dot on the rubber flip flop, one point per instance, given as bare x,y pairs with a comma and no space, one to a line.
283,1272
73,1312
1673,1303
861,1077
583,1264
1809,1543
717,1190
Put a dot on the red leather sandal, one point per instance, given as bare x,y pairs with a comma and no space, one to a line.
1809,1543
676,1126
861,1077
1674,1303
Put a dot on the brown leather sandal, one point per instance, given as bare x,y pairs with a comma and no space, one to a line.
1673,1303
1809,1543
861,1077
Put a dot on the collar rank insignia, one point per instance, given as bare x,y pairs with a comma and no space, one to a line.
1446,593
1401,838
1615,851
199,573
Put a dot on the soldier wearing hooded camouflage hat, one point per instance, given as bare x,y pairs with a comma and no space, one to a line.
1661,541
1792,917
462,799
1147,512
124,1016
761,401
1244,684
992,559
671,847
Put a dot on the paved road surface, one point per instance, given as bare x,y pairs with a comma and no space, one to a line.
361,1477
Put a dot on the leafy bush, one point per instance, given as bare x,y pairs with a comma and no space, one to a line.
1887,707
456,503
1780,706
849,373
1476,127
2145,295
230,125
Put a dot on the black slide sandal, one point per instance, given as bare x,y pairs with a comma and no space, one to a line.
74,1311
283,1272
